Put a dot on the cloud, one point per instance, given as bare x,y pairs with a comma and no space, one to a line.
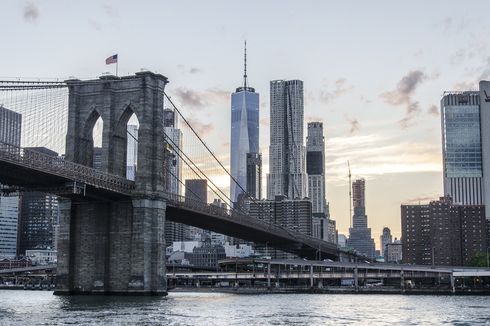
433,110
405,88
423,199
189,97
411,112
95,25
191,70
194,70
466,86
196,100
458,57
376,154
226,145
402,96
354,124
201,128
313,118
340,88
31,12
110,11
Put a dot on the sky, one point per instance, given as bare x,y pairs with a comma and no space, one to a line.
373,72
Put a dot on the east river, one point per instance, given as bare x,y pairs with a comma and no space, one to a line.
43,308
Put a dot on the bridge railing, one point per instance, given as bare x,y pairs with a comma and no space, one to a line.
199,206
57,165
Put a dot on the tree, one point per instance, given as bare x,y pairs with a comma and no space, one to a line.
479,259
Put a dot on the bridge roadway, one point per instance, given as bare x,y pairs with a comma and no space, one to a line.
33,170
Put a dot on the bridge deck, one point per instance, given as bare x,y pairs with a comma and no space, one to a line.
35,170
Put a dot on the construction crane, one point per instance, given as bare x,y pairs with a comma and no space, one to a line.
350,195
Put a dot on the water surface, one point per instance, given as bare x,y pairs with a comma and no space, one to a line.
43,308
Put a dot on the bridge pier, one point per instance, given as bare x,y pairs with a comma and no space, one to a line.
148,247
112,248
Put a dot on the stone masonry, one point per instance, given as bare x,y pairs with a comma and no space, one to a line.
115,246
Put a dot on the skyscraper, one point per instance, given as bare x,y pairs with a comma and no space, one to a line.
173,137
39,215
359,234
254,175
9,214
173,173
315,167
10,127
10,134
385,239
196,190
244,132
462,147
287,160
132,153
485,139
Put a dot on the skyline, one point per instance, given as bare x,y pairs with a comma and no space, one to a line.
378,107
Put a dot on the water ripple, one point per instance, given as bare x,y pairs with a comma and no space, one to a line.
182,309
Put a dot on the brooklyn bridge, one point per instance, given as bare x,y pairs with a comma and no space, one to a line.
111,234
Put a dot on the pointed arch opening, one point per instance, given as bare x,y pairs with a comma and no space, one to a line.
126,142
97,134
91,141
132,147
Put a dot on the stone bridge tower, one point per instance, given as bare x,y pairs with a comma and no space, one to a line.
114,244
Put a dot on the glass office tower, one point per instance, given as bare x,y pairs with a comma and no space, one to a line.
244,133
461,147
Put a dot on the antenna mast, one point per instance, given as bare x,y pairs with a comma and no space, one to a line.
245,67
350,195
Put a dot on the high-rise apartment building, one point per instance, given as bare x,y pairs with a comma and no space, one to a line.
442,233
384,239
359,234
462,147
244,133
287,156
291,214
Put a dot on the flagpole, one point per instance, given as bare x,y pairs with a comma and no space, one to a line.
117,64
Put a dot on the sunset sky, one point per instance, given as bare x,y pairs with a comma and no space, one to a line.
373,72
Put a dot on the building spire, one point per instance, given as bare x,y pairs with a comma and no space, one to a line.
245,67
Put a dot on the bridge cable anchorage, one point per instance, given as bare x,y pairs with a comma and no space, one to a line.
209,150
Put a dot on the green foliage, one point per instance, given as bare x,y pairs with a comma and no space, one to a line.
479,259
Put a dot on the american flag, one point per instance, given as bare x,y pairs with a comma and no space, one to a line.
111,59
